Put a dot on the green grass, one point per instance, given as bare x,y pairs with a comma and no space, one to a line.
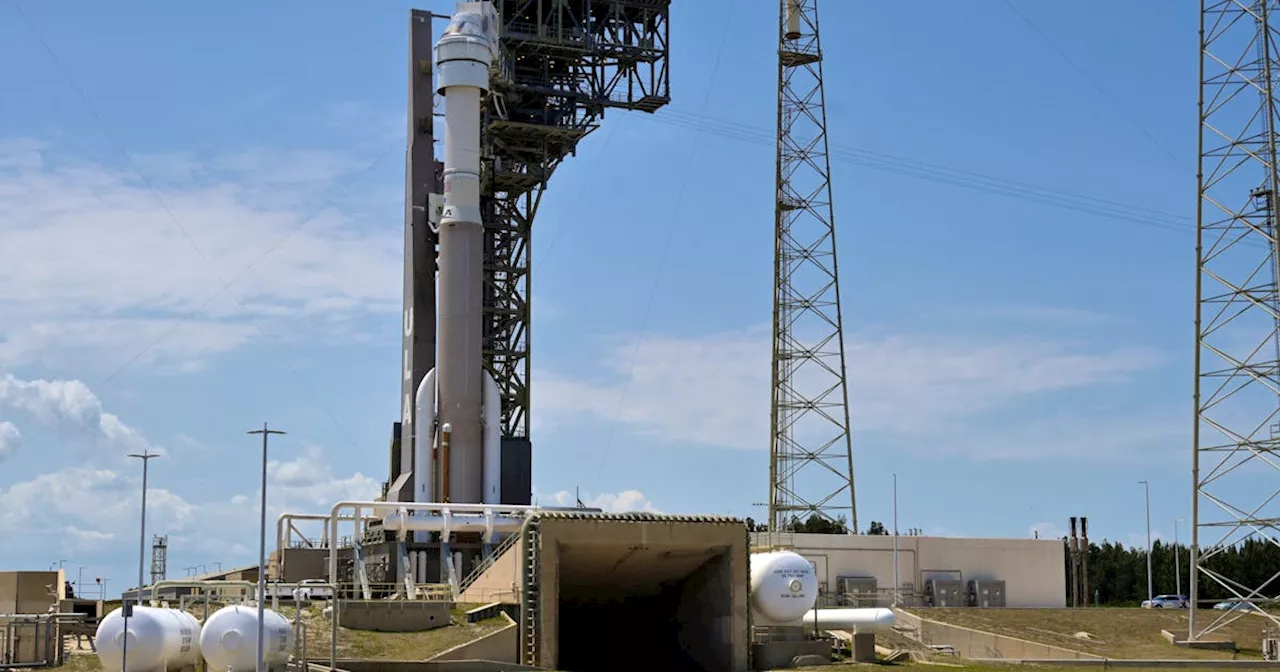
1111,632
394,645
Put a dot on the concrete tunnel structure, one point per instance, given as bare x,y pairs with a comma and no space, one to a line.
626,592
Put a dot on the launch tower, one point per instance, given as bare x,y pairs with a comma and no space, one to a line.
557,66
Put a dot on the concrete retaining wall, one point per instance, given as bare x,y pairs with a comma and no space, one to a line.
502,646
977,644
394,615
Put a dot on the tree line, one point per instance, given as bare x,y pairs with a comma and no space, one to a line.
1118,574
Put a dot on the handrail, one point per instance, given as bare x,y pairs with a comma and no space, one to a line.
487,562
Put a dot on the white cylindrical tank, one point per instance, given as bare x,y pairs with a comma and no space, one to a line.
784,586
229,640
159,639
866,621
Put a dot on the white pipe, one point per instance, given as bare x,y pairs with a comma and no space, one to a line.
439,523
437,507
857,621
281,531
492,441
283,519
424,465
250,587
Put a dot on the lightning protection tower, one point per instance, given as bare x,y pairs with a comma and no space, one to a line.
159,558
811,460
1234,466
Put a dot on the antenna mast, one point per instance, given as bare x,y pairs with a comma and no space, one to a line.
811,458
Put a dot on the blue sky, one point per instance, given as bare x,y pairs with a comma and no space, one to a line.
1014,361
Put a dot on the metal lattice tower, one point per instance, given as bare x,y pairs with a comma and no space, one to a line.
563,63
1235,468
811,459
159,558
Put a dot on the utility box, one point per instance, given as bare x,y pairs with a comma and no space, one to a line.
986,593
945,593
857,591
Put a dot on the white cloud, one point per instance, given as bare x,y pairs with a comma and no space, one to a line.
96,509
613,502
714,390
308,481
10,437
133,261
69,404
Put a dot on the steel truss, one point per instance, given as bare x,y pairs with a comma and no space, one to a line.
811,465
563,63
1237,313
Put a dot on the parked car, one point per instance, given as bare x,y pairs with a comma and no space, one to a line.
1166,602
308,590
1238,605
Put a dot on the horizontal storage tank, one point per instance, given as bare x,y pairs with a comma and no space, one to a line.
159,639
857,621
229,640
784,586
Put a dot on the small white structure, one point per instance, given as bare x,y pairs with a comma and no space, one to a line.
229,640
158,639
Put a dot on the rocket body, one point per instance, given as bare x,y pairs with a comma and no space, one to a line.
463,56
459,368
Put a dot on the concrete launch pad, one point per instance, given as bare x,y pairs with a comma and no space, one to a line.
627,591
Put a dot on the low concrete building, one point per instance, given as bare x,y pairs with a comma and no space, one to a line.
29,633
932,570
31,592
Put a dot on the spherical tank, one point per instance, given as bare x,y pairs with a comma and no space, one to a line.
784,586
158,639
229,640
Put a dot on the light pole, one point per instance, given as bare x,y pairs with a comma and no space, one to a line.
80,583
146,457
895,541
1177,554
262,543
1150,593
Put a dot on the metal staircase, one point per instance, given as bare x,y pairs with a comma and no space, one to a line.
487,562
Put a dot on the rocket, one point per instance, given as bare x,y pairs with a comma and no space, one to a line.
457,440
